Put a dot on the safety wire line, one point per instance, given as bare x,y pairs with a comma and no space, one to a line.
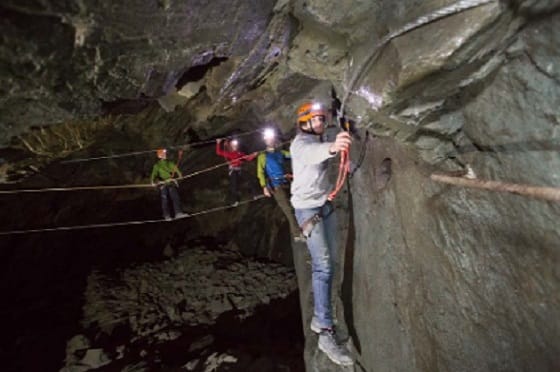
125,186
141,152
446,11
127,223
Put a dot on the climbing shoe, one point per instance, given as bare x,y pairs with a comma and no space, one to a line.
182,215
167,218
235,204
337,353
316,327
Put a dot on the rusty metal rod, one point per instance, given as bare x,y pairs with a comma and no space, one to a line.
547,193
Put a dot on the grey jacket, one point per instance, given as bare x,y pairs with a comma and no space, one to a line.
310,187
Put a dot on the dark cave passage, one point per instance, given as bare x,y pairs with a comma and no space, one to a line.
47,287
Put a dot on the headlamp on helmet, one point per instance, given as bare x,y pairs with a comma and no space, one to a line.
269,134
309,110
161,153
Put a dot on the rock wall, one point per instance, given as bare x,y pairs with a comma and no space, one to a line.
451,279
440,278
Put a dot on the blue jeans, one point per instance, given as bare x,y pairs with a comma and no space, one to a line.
321,244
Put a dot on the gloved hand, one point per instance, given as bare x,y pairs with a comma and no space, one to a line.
175,182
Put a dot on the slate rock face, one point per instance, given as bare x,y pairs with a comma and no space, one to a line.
443,278
66,59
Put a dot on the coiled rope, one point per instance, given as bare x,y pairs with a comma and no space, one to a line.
343,170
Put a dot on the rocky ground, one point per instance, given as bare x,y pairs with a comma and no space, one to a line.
199,308
204,309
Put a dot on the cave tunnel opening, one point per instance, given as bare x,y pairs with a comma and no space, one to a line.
197,72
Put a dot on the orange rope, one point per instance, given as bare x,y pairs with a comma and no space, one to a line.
343,170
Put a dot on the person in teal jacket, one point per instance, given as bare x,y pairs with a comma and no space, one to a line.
274,181
163,172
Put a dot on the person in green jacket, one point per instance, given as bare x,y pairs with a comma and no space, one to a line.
163,172
274,181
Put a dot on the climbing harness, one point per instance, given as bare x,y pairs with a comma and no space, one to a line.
308,225
127,223
142,152
232,169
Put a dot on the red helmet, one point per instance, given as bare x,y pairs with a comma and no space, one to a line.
308,110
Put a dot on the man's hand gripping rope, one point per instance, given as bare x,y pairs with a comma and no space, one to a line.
342,145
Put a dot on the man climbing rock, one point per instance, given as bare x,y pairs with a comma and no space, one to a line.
230,151
163,172
316,217
274,179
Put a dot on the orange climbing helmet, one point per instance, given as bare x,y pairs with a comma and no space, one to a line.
308,110
161,153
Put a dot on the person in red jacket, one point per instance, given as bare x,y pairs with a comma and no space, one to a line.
235,158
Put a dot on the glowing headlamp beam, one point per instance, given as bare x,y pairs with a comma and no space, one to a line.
268,133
